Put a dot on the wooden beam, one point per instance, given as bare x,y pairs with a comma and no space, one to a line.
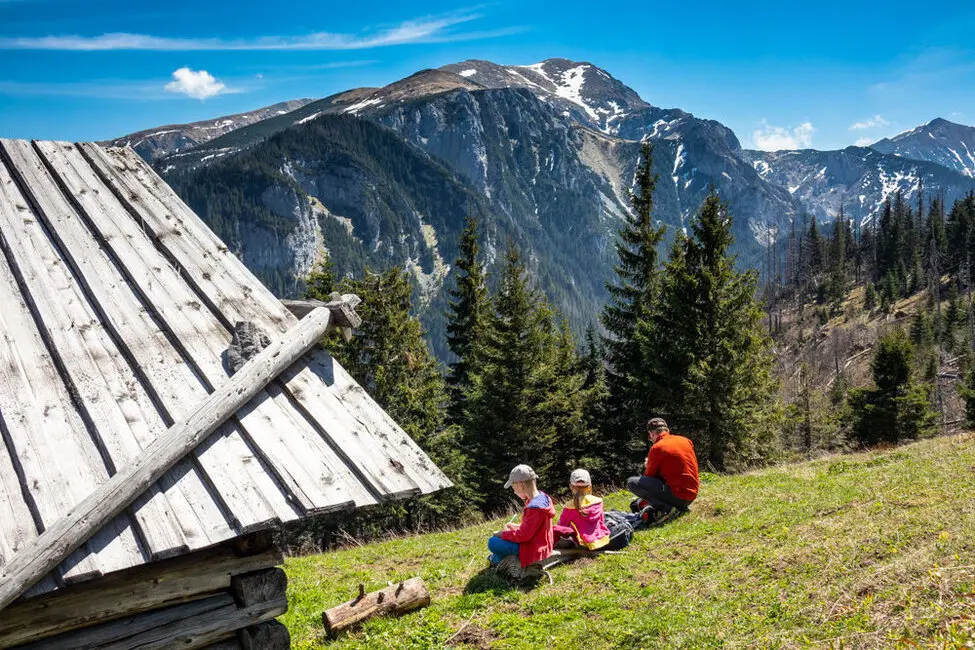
347,317
259,586
270,635
195,624
230,643
45,552
133,591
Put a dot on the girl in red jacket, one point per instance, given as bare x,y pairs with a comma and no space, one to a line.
531,540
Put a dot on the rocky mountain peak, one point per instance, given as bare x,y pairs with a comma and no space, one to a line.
580,90
940,141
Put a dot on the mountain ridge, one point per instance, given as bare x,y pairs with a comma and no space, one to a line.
545,154
161,141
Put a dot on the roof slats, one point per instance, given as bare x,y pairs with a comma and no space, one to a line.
117,303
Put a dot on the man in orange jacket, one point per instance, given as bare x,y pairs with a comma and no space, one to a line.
669,482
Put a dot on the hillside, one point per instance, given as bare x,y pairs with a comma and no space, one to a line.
855,551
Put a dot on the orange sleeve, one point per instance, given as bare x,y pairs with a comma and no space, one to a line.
653,463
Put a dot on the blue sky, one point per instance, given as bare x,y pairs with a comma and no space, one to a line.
781,74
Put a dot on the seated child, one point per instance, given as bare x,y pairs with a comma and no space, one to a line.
581,521
531,540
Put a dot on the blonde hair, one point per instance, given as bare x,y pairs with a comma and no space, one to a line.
580,492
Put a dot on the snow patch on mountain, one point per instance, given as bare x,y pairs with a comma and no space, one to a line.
355,108
309,118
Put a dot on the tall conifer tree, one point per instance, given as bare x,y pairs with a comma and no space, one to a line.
466,318
524,404
390,359
631,303
710,346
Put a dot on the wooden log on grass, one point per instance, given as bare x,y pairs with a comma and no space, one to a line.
396,599
45,552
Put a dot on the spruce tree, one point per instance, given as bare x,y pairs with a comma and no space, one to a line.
632,303
870,297
466,319
899,407
390,359
321,282
525,401
967,391
709,345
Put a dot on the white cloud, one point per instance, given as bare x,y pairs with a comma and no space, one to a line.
871,123
776,138
421,30
197,84
864,142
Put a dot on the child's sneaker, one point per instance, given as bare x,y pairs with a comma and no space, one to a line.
638,504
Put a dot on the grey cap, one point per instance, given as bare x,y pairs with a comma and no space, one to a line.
519,474
579,477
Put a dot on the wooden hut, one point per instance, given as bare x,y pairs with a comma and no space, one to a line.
139,475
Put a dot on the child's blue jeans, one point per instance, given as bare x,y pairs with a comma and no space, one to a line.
499,548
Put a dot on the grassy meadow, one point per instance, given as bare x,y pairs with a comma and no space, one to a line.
862,550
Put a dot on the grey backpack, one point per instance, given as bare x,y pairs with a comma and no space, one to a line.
620,529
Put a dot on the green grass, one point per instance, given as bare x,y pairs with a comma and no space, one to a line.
860,550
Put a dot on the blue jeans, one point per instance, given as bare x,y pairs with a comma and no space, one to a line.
499,548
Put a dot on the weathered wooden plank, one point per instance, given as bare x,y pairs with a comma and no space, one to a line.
393,457
304,464
165,371
231,276
44,553
202,629
129,592
178,229
102,636
384,457
58,458
16,522
125,418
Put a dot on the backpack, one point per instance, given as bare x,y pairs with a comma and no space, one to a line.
620,530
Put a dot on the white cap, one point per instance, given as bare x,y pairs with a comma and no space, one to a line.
520,474
580,477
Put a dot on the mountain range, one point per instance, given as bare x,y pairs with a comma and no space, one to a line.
544,154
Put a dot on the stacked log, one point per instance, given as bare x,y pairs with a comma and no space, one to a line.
223,597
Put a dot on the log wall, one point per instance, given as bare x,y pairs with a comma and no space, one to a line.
222,597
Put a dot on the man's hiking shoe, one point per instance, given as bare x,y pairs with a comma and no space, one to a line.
654,517
637,505
509,568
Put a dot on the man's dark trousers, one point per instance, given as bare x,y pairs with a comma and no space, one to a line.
656,492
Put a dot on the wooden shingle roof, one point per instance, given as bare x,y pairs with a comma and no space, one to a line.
116,310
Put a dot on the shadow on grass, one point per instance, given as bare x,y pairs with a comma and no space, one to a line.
489,582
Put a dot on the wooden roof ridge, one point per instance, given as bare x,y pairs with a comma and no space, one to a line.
119,304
